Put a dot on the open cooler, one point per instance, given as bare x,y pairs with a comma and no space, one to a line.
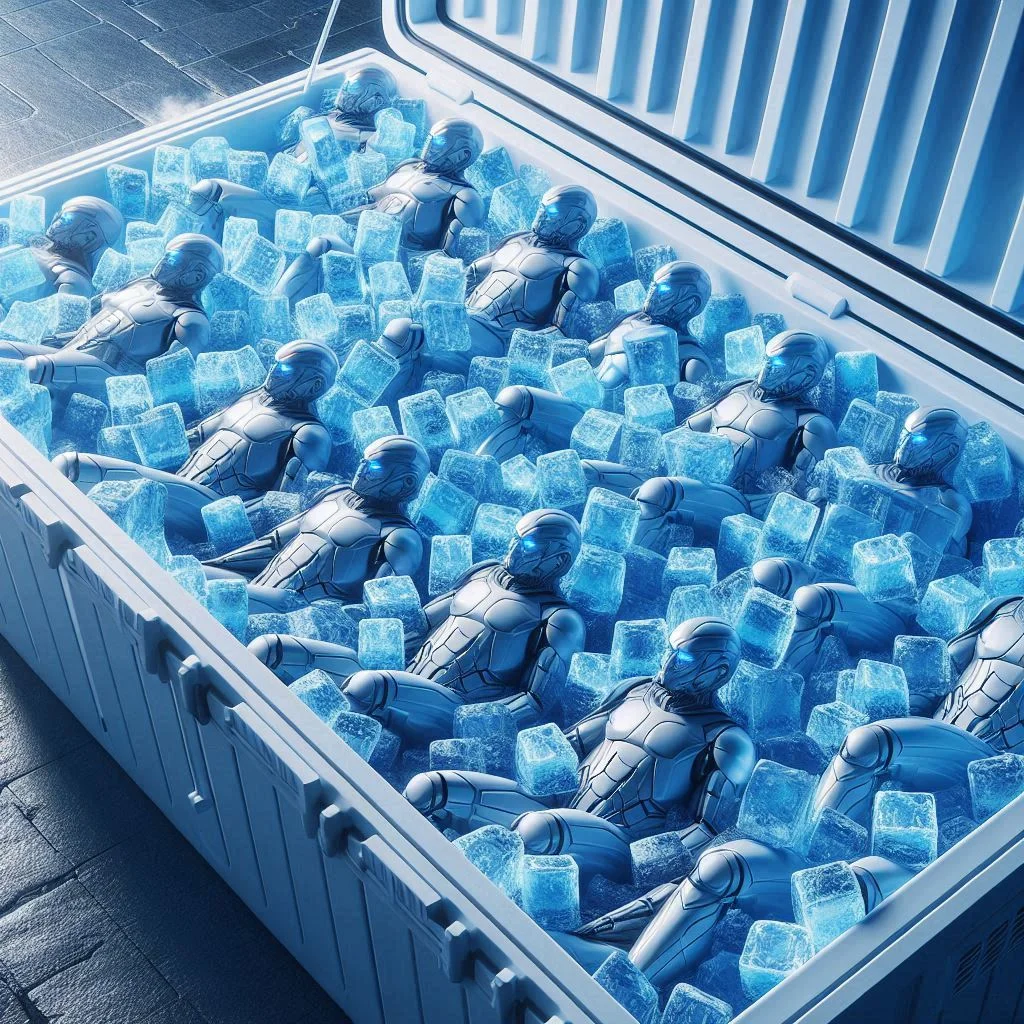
855,167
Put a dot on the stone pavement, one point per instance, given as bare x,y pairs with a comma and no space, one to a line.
75,73
107,915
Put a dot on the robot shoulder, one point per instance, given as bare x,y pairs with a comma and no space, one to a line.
564,628
583,277
312,444
734,753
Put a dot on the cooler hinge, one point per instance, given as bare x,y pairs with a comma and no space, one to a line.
816,295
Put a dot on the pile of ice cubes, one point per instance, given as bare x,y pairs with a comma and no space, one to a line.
631,596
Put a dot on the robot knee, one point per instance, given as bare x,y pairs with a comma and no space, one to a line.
814,603
542,832
427,792
268,649
67,464
514,400
655,496
719,873
868,748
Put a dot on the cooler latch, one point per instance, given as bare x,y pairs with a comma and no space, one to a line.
823,299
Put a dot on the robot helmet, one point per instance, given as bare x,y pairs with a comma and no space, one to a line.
364,93
544,546
931,443
794,361
189,263
703,656
85,224
678,292
452,145
566,213
302,371
392,469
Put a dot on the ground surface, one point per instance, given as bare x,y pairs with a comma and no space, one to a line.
75,73
107,916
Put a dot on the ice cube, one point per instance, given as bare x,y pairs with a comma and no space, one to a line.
450,559
222,377
473,416
529,356
367,370
704,457
690,567
369,425
498,853
586,686
137,507
629,297
834,836
472,244
560,479
287,133
551,891
546,762
493,726
652,258
984,471
259,264
342,277
659,858
841,528
609,520
690,602
479,475
788,527
883,569
773,950
117,442
689,1005
128,188
994,782
442,508
82,421
326,154
607,242
925,663
638,648
287,180
491,169
292,231
227,525
381,644
594,583
765,626
949,605
731,591
868,429
622,979
652,355
512,209
208,157
519,478
953,830
395,597
320,693
493,526
445,327
876,688
388,281
425,418
596,436
171,177
128,397
1003,564
773,701
359,732
775,804
828,724
228,602
722,315
316,318
378,236
719,976
226,291
113,271
395,137
827,901
904,828
649,406
461,755
591,320
744,351
248,167
159,436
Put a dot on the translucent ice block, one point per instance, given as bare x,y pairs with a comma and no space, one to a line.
773,950
450,559
994,782
381,644
704,457
227,525
904,828
159,436
775,804
595,582
829,724
498,853
827,901
622,979
546,762
638,647
560,479
551,891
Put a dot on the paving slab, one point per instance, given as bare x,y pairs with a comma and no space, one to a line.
50,19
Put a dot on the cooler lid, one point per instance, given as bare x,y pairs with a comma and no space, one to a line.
881,140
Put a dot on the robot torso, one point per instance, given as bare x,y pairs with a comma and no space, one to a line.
422,199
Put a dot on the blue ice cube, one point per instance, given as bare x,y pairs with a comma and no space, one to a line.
638,648
395,137
287,132
994,782
489,373
984,471
594,583
369,425
551,891
721,315
690,567
226,291
236,232
765,626
493,526
113,271
129,190
441,508
795,750
949,605
445,326
388,281
546,762
689,1005
690,602
273,509
315,317
342,277
176,220
171,178
472,244
652,258
773,950
479,475
926,665
591,320
13,378
381,644
731,591
393,309
491,168
841,528
519,477
208,157
137,507
287,180
229,329
773,701
876,688
462,755
596,436
320,693
652,355
493,727
868,429
82,421
622,979
159,436
135,230
719,976
643,448
607,242
744,352
227,525
629,297
368,168
450,559
378,236
270,317
704,457
219,380
228,602
367,370
788,527
29,411
899,407
498,853
828,724
425,418
445,384
27,218
259,264
770,324
560,479
834,836
395,597
775,804
856,376
904,828
118,443
473,416
529,356
649,406
659,858
187,570
953,830
144,254
128,397
360,732
883,569
326,154
443,279
512,209
587,685
292,230
1003,564
827,901
609,520
248,167
27,321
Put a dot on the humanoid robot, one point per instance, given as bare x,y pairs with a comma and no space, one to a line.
770,423
655,743
980,718
503,634
143,320
534,279
678,292
433,199
82,230
262,442
213,200
351,534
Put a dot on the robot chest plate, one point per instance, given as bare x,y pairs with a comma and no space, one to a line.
351,529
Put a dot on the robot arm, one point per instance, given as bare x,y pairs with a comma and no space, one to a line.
403,552
817,434
581,285
192,330
467,211
251,559
303,276
312,451
478,270
563,636
203,429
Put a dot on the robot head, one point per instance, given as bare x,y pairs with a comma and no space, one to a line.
189,264
364,92
392,470
794,362
702,657
544,546
931,443
678,292
452,145
566,213
85,224
302,371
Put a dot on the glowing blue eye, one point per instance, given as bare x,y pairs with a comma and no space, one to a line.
919,438
285,368
436,140
664,287
777,361
529,544
684,658
374,467
551,208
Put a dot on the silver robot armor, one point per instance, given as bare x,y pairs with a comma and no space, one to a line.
770,423
262,442
81,231
503,634
534,279
430,195
654,744
139,322
349,535
678,292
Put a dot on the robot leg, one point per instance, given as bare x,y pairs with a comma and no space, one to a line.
878,878
665,500
613,476
782,576
468,800
527,412
304,276
70,371
920,753
598,846
416,708
289,657
743,871
19,350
